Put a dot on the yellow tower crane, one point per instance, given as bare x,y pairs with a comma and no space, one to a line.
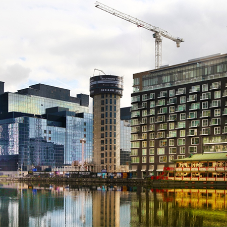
158,32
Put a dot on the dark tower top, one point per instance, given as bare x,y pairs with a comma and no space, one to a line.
106,84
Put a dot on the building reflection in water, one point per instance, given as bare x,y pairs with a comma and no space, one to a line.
51,205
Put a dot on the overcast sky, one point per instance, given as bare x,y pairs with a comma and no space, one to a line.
60,43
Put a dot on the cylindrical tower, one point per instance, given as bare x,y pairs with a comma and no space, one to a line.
106,91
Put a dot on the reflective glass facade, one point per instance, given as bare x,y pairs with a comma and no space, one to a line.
38,144
38,105
45,131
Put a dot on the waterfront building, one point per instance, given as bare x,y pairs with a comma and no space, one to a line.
106,91
125,137
176,111
200,167
43,125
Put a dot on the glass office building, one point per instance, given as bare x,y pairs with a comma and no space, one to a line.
45,128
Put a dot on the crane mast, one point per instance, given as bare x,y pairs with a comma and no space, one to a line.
158,32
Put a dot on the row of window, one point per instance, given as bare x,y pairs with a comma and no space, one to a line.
105,161
163,142
181,91
162,159
110,148
173,109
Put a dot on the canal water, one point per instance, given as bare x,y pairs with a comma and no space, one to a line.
72,205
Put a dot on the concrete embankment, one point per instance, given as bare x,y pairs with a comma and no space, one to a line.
122,181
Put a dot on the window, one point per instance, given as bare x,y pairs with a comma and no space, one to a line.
172,117
217,130
192,132
144,136
144,143
181,108
144,97
163,93
205,131
151,159
215,121
144,113
195,141
171,142
144,128
192,98
195,88
162,126
144,151
173,133
162,159
216,103
180,156
144,120
225,129
172,150
152,95
171,126
206,113
171,93
151,143
217,94
182,99
161,102
217,112
205,122
163,143
161,118
171,157
102,115
216,85
205,105
152,111
182,116
151,151
160,151
180,141
144,104
205,87
134,144
182,150
181,124
195,106
195,123
192,149
151,135
134,152
192,115
205,96
181,91
144,159
152,104
160,135
172,100
151,127
162,110
182,133
135,159
151,120
172,109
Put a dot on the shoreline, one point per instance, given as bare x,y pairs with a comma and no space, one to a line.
122,181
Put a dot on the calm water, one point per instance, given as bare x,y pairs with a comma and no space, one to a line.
70,205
